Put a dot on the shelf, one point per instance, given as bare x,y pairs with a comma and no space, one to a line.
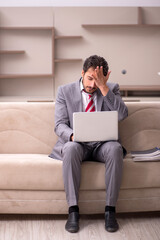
140,87
141,99
127,89
120,25
12,76
12,51
26,99
67,60
67,37
40,100
26,28
139,23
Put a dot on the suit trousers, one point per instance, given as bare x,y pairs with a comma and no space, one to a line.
110,153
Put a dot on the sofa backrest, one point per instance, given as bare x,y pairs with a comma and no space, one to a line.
29,127
141,129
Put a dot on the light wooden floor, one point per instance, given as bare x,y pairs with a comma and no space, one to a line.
141,226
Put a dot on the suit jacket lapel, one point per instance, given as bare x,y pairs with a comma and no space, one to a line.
77,97
99,100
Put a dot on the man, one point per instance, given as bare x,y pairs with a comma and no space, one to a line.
91,93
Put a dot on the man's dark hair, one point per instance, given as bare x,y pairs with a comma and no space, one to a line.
94,61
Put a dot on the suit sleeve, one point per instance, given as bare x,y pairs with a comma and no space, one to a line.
114,102
62,122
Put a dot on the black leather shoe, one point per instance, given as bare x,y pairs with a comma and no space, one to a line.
72,224
111,224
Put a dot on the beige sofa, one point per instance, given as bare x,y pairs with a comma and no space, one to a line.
31,182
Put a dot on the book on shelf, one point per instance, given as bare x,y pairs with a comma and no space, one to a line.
146,155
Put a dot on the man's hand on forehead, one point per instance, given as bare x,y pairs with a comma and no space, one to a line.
101,80
99,77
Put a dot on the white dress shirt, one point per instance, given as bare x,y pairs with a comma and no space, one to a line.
85,97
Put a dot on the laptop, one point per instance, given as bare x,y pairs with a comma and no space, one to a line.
95,126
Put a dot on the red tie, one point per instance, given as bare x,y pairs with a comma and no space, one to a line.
90,107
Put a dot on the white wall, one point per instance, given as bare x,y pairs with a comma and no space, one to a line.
64,3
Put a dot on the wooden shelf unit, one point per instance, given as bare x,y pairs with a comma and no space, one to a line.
126,90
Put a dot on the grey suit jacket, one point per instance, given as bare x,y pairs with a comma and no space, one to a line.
69,100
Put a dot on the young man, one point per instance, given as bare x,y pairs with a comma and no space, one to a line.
91,93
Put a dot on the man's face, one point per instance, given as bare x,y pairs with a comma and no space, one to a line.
89,81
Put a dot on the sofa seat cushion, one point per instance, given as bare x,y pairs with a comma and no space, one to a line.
140,174
30,172
39,172
136,175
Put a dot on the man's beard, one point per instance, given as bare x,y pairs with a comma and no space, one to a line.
90,89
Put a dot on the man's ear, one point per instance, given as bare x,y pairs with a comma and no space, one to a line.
82,73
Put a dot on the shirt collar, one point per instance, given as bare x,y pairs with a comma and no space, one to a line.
81,85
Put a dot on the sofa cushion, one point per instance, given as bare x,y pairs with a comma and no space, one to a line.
39,172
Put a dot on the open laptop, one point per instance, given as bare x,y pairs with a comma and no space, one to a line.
95,126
